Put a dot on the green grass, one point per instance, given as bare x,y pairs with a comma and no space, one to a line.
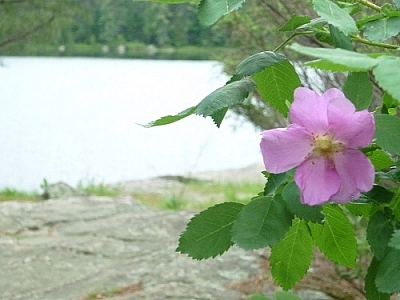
8,194
198,195
91,187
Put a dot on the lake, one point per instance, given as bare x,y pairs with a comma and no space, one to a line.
72,119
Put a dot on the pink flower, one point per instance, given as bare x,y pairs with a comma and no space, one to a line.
322,142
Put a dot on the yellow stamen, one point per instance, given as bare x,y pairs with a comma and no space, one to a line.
326,146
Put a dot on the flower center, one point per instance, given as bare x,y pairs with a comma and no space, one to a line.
326,146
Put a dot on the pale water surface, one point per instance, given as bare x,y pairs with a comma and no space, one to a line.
71,119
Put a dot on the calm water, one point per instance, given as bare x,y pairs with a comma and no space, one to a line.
76,119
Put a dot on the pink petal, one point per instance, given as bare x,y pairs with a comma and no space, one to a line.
310,110
354,129
285,148
356,173
317,181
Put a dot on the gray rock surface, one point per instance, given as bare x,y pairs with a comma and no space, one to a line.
76,247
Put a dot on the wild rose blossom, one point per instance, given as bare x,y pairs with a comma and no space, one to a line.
322,142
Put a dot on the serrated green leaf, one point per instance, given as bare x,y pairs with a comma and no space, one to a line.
335,237
335,16
258,62
171,118
349,60
339,39
395,206
379,231
230,94
274,182
291,195
208,233
387,133
291,257
219,116
380,159
284,295
323,64
276,85
350,8
395,240
295,22
211,10
389,101
388,274
262,222
371,291
358,89
382,29
387,73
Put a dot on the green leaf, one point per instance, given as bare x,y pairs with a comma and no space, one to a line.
219,116
379,231
382,29
335,16
339,39
164,1
379,194
335,237
276,85
208,233
291,257
347,60
395,240
388,274
258,62
359,209
291,195
283,295
295,22
389,101
211,10
171,118
258,297
387,73
358,89
230,94
395,206
371,291
274,182
387,133
262,222
380,159
396,3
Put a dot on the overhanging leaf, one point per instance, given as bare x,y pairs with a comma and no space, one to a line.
230,94
339,39
335,237
171,118
276,85
291,257
387,73
358,89
258,62
262,222
211,10
387,133
208,233
335,16
351,61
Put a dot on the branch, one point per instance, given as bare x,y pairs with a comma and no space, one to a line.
24,35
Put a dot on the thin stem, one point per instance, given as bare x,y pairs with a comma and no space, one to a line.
359,39
294,34
370,5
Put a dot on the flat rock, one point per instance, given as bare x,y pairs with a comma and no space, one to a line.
82,246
